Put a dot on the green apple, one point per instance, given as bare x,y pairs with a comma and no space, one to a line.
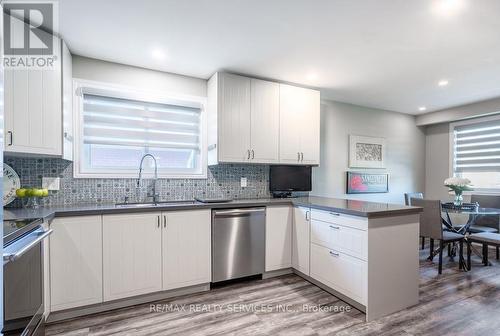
35,192
21,192
45,192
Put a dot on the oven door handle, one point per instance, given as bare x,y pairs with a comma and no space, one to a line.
8,257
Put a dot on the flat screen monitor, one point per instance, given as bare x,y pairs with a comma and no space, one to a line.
290,178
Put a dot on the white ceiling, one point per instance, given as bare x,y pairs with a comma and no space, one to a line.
387,54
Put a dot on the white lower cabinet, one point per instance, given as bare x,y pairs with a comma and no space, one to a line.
132,254
75,262
279,223
301,239
340,238
339,271
186,248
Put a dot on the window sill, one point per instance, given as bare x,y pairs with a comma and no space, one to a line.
479,192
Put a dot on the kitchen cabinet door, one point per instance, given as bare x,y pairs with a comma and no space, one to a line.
291,107
186,248
279,223
301,239
33,109
234,118
131,255
310,128
75,249
265,121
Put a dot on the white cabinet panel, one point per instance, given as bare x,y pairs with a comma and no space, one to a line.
75,262
33,110
339,271
67,103
345,239
301,239
299,125
234,118
131,255
265,116
186,248
279,224
291,107
310,128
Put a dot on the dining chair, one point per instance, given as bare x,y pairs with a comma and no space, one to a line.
486,223
431,226
408,198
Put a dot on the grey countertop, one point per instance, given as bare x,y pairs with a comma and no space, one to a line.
350,207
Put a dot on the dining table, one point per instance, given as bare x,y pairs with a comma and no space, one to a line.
473,212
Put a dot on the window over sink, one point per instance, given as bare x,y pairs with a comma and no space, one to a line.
116,126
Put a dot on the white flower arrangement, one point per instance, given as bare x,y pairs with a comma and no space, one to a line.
458,184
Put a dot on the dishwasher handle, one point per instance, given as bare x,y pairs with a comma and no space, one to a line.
238,212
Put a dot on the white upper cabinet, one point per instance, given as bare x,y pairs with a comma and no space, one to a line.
257,121
299,125
34,108
233,117
67,103
265,119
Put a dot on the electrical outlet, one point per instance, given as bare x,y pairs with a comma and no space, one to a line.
51,183
243,182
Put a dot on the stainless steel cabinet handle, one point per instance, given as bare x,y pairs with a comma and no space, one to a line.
11,138
164,221
334,254
248,154
298,156
158,221
335,227
307,215
301,156
253,154
334,214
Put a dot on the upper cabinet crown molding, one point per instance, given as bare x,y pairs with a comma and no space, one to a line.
38,108
257,121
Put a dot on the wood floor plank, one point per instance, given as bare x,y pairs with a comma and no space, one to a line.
454,303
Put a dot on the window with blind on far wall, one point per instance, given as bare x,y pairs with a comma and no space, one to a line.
117,128
476,152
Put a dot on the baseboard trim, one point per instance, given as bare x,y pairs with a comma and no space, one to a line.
122,303
277,273
332,291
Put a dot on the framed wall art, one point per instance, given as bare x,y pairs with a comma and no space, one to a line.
367,183
366,152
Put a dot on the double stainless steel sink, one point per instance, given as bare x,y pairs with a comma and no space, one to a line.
157,204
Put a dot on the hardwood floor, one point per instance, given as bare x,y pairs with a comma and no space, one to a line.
455,303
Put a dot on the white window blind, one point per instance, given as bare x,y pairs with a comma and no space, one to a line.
115,133
476,147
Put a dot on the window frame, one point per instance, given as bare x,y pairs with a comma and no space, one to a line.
452,125
126,92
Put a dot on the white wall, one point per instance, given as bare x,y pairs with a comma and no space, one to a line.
405,150
143,79
437,161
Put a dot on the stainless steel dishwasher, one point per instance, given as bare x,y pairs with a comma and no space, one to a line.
238,243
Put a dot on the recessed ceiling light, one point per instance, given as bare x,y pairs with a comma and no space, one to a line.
158,54
443,82
448,8
422,108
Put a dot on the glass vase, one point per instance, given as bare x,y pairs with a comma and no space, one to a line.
459,199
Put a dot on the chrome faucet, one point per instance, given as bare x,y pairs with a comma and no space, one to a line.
154,195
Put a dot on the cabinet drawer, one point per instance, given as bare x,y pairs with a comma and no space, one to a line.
340,272
356,222
340,238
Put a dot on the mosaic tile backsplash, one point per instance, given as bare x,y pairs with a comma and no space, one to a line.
222,181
